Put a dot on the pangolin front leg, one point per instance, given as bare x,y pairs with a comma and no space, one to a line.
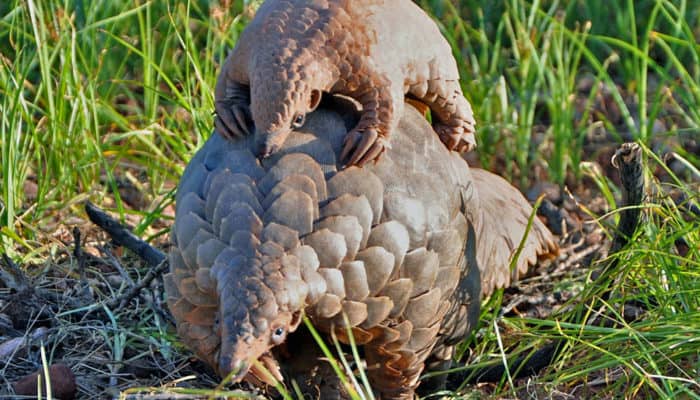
233,118
452,113
370,138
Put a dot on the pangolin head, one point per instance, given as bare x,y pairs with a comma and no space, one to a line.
260,303
280,101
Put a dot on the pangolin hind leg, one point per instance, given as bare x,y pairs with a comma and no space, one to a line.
233,118
453,118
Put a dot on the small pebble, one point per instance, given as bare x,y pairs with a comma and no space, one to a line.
63,384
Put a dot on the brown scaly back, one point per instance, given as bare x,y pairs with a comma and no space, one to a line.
289,69
392,246
374,51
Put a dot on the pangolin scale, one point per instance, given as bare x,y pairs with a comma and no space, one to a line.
402,250
374,51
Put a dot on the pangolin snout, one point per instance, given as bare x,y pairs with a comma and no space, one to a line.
267,149
238,367
270,141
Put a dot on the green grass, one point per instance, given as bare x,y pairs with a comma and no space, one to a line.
655,356
91,88
92,92
522,61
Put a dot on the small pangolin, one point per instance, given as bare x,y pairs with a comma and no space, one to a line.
374,51
401,251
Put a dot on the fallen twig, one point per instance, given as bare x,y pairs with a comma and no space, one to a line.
121,301
110,259
123,237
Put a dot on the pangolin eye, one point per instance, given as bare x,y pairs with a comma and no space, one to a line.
278,335
217,323
298,121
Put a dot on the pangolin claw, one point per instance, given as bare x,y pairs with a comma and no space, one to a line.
232,121
363,147
456,138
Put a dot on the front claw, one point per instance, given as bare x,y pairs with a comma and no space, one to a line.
363,147
232,121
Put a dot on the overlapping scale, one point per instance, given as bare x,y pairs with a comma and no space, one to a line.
329,246
379,264
298,182
355,279
351,205
359,182
295,164
393,237
294,209
421,267
348,227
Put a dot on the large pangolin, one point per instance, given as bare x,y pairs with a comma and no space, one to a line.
374,51
403,250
